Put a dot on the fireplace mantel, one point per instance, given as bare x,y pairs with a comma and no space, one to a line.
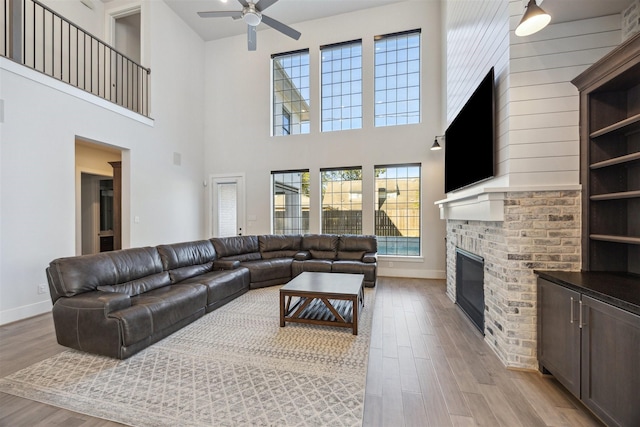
487,204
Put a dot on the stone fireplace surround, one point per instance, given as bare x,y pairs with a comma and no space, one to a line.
515,232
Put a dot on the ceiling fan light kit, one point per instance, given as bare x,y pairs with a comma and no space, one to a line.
252,15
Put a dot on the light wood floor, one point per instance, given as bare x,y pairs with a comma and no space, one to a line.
427,367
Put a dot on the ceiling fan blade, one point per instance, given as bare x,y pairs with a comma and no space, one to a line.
243,3
263,4
284,29
252,41
221,14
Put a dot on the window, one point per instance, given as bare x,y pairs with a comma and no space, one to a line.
342,200
290,202
397,79
397,214
342,86
291,93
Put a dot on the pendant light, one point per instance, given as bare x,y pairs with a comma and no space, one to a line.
533,20
435,145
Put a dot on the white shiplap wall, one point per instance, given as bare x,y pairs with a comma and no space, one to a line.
537,106
543,104
477,39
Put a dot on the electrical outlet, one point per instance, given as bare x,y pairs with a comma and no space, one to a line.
390,264
42,288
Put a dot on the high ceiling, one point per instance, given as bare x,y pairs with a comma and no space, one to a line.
291,12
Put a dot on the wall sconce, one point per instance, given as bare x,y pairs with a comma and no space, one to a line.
533,20
435,145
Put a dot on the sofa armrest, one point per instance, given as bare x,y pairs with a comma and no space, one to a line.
370,257
108,301
86,322
302,256
222,264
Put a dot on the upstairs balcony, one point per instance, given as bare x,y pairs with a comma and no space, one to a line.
39,38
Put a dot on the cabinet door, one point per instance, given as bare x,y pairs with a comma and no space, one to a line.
559,334
611,363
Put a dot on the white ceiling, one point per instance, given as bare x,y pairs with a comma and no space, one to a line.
291,12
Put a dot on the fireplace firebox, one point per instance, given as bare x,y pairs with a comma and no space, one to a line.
470,286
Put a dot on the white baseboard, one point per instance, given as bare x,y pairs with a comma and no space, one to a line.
24,312
410,273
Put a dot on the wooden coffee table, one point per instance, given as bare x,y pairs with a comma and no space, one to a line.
330,299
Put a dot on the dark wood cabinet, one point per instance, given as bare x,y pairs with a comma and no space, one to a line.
593,348
610,362
559,334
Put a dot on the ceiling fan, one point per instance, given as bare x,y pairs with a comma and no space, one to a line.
252,14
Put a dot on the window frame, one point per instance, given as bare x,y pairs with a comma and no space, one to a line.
346,79
300,97
357,219
387,106
385,240
301,217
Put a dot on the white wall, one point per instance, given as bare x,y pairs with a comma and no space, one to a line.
543,106
537,117
42,120
91,20
238,110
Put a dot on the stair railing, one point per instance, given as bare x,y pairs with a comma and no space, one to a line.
39,38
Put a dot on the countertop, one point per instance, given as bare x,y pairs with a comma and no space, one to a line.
618,289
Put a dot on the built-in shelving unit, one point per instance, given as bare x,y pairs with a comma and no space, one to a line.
589,321
610,160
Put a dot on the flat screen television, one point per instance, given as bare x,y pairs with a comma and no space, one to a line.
470,139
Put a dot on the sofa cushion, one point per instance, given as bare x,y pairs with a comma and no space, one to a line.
355,267
187,259
222,284
315,265
354,247
321,246
158,309
240,248
269,270
139,286
279,246
75,275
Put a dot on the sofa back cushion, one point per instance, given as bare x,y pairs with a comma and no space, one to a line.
139,286
75,275
187,259
353,246
321,246
240,248
279,246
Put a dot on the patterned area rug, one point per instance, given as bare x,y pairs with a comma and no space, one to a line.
234,367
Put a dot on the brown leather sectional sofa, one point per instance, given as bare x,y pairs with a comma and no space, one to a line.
117,303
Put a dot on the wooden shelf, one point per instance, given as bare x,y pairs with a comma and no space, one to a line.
616,196
615,239
629,125
616,161
610,160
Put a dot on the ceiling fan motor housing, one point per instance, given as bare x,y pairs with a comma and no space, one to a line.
251,16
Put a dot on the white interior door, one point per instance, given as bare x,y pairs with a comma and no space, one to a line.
227,207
